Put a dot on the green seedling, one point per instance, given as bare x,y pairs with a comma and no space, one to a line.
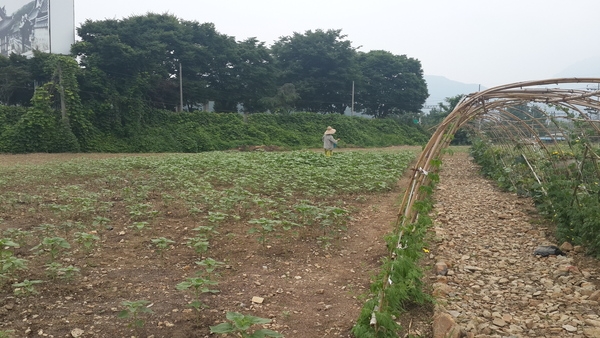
52,269
60,208
9,265
17,235
161,244
210,265
199,286
56,270
240,324
88,241
132,312
68,273
139,226
7,243
141,210
206,230
266,226
52,245
216,217
6,333
46,230
101,224
199,244
67,226
26,287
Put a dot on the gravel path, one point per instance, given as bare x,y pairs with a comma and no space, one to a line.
488,281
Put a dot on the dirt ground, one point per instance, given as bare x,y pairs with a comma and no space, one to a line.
309,289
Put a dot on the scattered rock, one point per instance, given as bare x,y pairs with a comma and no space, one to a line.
75,333
441,268
499,322
498,287
258,300
566,247
445,327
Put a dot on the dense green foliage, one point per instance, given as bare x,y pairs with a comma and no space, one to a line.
113,93
569,189
39,130
390,84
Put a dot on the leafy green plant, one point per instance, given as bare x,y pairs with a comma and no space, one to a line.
133,310
161,244
68,273
216,217
241,325
52,269
139,226
101,224
141,210
199,244
4,244
199,286
6,333
88,241
46,230
9,265
17,235
26,287
264,229
52,245
210,265
206,230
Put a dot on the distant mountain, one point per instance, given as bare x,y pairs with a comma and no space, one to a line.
440,88
585,68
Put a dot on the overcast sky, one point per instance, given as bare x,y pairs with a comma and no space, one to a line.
491,42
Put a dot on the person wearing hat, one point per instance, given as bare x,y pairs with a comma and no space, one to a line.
329,142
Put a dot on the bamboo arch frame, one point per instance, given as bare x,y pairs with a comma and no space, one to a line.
492,104
497,99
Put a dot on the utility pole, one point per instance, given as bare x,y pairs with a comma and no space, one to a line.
180,88
352,109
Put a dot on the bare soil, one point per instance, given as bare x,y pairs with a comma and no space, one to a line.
310,288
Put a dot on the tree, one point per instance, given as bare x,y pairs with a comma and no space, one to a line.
16,80
390,84
284,101
251,78
321,66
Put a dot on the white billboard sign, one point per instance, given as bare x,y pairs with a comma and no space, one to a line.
44,25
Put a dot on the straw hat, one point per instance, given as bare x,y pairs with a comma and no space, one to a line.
329,131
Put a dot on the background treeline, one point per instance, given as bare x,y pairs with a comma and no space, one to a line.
141,84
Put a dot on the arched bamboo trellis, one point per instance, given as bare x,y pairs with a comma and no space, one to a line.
491,105
492,113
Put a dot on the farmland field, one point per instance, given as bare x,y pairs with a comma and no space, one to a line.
165,245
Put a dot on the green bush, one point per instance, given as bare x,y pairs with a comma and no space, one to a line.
40,129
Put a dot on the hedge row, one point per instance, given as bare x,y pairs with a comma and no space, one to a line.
164,131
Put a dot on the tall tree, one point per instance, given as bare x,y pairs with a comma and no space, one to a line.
321,66
390,84
251,78
16,80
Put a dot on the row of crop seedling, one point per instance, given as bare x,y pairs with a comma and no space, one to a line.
230,191
54,239
132,311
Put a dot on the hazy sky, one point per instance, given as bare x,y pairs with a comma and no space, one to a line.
487,42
